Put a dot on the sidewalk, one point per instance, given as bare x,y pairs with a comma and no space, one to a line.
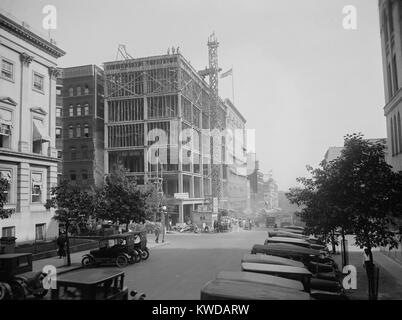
76,258
390,281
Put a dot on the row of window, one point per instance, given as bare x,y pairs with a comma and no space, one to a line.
39,130
396,134
37,186
83,154
8,73
77,131
79,111
83,175
78,90
40,231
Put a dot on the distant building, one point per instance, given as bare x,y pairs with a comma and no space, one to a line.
80,124
28,154
335,152
391,39
235,182
270,193
256,179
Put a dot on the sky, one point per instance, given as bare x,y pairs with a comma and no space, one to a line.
301,80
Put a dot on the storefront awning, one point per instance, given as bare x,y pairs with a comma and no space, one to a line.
39,131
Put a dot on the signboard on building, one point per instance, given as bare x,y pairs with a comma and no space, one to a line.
181,195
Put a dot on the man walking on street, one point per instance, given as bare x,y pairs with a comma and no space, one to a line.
157,232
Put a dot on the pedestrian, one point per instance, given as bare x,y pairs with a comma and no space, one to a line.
369,266
61,241
203,226
157,232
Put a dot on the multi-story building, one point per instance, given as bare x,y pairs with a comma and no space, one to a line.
256,178
80,124
235,182
155,109
391,42
28,154
270,193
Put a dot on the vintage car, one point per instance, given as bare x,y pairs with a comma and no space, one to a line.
294,273
289,230
287,234
260,278
222,289
297,242
90,284
17,280
268,259
119,249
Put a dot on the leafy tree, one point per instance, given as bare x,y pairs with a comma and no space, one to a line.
153,200
4,185
358,193
73,206
121,200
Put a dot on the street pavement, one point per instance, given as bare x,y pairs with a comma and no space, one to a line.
179,268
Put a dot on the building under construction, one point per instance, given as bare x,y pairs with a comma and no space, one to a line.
148,102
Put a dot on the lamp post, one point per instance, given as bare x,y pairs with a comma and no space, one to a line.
163,223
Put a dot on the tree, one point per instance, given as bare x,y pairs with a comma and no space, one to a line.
4,186
153,201
358,192
73,206
121,200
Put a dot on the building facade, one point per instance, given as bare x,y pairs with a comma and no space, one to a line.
28,154
155,110
236,191
391,42
80,125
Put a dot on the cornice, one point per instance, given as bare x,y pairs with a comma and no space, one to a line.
27,35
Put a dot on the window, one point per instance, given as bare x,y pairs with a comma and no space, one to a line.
396,136
58,91
58,112
58,133
37,187
7,174
78,91
5,128
59,154
86,109
78,131
395,74
39,135
40,231
86,90
38,82
84,151
8,232
73,176
71,91
70,132
400,131
7,70
86,130
389,74
392,137
73,152
84,174
78,110
71,111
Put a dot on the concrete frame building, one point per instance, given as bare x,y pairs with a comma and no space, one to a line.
155,108
391,42
80,125
28,154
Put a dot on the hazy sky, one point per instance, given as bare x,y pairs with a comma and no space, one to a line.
301,80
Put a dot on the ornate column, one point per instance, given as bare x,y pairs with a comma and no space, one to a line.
54,73
24,143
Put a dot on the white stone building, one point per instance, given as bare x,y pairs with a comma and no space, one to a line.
28,156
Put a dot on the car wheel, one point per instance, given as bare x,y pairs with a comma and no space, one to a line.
42,292
145,254
121,261
5,291
87,262
18,289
